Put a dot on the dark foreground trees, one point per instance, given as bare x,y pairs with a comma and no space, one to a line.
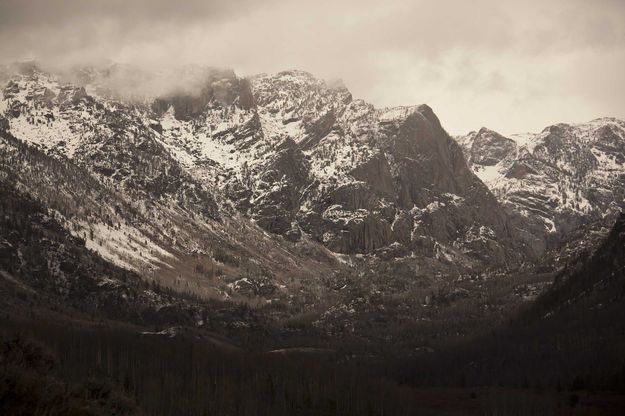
184,376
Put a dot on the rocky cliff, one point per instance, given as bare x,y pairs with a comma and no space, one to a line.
554,182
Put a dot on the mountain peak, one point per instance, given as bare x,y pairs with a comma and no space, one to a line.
557,179
486,130
296,73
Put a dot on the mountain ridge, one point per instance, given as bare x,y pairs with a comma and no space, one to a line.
278,191
555,180
310,112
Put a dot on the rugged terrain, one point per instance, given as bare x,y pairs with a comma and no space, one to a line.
293,154
571,337
285,193
281,233
557,181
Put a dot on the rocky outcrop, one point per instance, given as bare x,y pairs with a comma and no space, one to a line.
360,233
376,172
278,189
299,156
486,147
373,175
556,181
316,129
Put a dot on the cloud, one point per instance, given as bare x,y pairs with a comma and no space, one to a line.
511,65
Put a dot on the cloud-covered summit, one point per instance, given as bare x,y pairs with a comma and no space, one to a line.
513,66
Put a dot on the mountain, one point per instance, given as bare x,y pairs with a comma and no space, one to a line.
571,337
47,273
378,179
281,234
277,191
554,182
232,157
284,191
100,166
79,335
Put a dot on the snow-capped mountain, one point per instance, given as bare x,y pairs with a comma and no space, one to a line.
300,156
565,177
293,153
102,168
281,190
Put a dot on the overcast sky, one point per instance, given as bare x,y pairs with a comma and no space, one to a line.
513,66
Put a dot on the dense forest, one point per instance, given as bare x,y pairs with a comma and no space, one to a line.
185,376
73,368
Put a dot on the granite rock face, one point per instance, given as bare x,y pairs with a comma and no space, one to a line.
376,177
486,147
285,190
298,156
554,182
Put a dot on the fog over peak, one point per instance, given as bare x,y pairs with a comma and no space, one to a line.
512,66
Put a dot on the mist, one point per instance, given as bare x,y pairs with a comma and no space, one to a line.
510,66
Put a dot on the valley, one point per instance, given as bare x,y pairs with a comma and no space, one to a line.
276,217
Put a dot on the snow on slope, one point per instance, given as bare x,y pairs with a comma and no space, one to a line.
284,149
137,182
564,175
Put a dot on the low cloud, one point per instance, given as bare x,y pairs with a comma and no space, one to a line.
512,66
